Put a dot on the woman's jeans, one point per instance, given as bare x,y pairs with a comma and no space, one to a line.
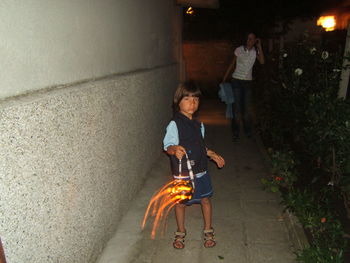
242,92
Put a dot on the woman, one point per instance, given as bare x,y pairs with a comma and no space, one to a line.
242,67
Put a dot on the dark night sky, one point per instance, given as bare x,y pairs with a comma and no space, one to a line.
233,18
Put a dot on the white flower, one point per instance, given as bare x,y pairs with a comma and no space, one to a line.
313,51
330,183
284,85
285,55
324,55
336,70
298,71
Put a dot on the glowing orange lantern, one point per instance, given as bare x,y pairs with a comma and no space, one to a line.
182,190
174,192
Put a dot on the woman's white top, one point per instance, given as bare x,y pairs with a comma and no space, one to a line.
244,64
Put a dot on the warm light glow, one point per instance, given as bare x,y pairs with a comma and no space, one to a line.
190,11
327,22
165,199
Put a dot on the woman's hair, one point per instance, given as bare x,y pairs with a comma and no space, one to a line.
183,90
245,37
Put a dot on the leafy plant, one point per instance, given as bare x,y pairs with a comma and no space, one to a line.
299,111
316,215
316,253
283,174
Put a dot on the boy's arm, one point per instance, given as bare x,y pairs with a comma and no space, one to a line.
171,141
220,162
176,150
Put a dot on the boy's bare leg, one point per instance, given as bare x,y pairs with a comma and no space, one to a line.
180,217
207,216
180,221
206,210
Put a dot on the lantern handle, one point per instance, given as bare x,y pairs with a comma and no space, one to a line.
189,167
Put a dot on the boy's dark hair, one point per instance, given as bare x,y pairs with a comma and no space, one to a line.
183,90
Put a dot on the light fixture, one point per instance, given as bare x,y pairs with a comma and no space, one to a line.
327,22
190,11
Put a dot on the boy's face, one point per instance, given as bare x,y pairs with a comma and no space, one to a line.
189,105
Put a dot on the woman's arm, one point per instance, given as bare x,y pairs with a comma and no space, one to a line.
260,56
230,68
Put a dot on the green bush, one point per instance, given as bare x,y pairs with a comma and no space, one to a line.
283,171
301,118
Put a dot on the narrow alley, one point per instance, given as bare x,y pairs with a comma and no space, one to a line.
85,99
249,222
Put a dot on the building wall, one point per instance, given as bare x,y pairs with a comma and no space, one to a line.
85,98
207,62
49,43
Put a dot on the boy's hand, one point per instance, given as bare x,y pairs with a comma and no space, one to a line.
220,162
176,150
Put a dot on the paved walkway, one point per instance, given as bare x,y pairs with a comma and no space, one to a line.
247,219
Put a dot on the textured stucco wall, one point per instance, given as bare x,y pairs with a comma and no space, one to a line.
72,158
53,42
85,93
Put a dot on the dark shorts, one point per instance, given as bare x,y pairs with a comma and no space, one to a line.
202,189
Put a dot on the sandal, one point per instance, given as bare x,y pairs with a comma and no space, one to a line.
179,241
209,240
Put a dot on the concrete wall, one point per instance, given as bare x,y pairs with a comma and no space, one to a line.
47,43
86,88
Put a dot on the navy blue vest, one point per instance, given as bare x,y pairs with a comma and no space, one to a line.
190,137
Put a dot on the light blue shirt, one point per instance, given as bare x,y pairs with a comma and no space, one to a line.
172,135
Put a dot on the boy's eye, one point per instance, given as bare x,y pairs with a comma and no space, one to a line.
191,98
